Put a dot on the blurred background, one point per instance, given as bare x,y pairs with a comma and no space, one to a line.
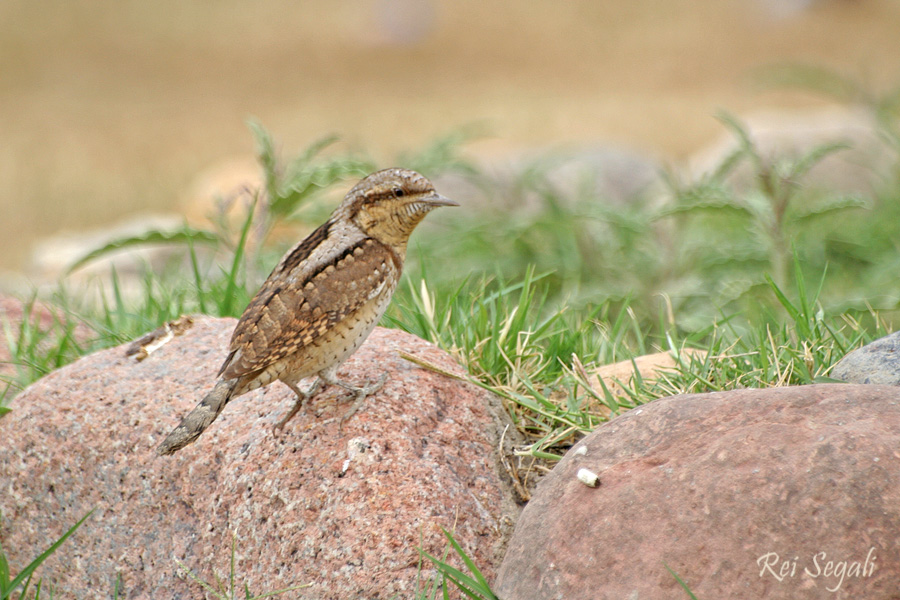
114,109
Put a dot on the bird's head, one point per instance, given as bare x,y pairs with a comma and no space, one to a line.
387,205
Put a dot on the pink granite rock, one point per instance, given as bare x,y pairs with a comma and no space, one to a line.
341,510
779,493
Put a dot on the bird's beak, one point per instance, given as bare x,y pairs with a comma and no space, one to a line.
436,200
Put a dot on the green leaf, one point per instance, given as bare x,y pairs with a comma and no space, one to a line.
746,144
829,206
802,166
700,205
303,180
184,235
289,188
265,154
5,587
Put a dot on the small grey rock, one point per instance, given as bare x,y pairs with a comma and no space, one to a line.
877,363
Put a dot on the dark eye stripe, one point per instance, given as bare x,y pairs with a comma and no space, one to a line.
378,196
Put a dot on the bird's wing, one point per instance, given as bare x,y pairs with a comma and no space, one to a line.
307,294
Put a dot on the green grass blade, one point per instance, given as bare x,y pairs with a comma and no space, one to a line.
792,310
198,277
680,582
475,586
231,285
469,564
190,573
5,586
464,583
25,574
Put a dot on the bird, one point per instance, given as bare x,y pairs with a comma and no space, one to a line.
321,301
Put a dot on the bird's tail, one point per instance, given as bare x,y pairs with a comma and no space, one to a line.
198,419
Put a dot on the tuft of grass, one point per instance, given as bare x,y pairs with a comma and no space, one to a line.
44,339
494,327
539,363
228,590
472,585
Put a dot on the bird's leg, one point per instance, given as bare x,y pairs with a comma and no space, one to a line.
302,396
360,393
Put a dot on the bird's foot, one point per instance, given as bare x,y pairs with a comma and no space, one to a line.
359,394
302,396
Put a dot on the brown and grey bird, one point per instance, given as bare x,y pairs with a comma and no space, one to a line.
322,300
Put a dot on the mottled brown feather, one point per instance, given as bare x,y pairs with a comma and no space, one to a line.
303,249
278,322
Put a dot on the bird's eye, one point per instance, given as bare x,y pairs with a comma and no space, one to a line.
398,192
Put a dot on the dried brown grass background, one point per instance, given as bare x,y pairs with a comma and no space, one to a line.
108,108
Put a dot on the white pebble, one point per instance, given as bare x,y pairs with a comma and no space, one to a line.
588,477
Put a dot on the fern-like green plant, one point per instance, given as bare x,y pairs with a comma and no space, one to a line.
729,240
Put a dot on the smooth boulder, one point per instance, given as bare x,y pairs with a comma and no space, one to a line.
779,493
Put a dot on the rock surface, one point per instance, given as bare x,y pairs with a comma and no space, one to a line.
343,511
878,363
779,493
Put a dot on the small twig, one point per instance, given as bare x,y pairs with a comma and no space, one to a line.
429,366
513,474
159,337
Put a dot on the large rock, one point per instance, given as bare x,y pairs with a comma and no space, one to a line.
341,510
779,493
878,363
